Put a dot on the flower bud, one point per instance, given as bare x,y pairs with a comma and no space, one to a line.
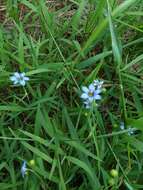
32,162
115,125
111,181
114,173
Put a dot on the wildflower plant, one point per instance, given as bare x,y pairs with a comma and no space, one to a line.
92,93
63,44
19,79
131,131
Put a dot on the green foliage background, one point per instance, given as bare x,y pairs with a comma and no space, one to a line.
62,45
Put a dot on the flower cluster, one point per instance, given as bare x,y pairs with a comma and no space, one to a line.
130,129
19,79
92,93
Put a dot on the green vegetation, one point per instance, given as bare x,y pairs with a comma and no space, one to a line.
63,45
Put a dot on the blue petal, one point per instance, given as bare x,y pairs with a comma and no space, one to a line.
97,97
22,74
17,75
85,89
91,87
26,78
22,82
15,82
98,91
13,78
84,96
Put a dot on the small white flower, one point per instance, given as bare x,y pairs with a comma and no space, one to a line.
130,129
19,79
23,169
98,83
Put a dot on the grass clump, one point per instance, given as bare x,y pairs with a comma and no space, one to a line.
71,110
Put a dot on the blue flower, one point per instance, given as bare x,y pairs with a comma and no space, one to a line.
23,168
90,94
131,130
98,83
19,79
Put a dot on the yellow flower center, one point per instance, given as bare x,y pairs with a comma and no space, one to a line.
90,94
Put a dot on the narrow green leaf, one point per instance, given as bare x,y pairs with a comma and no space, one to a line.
82,165
37,152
